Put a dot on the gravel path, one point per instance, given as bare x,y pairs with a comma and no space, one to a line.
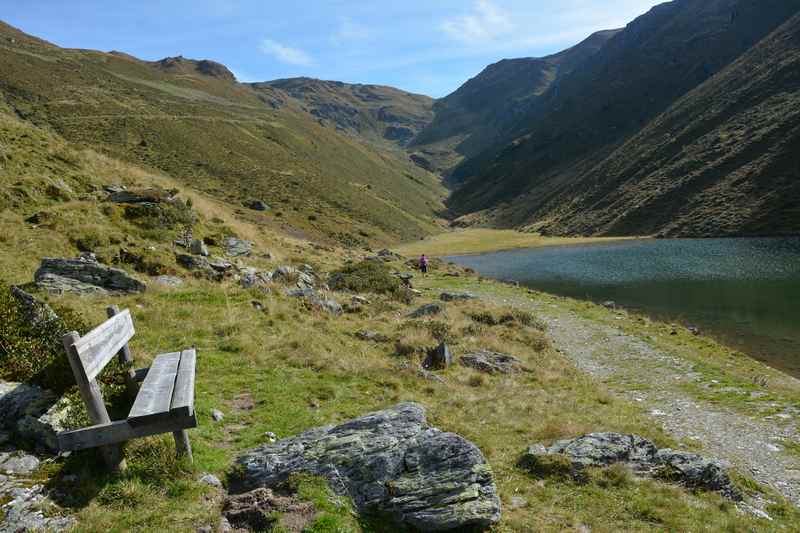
634,369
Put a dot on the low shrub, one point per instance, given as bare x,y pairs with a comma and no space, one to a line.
508,317
366,276
164,215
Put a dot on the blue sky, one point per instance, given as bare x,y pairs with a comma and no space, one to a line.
425,46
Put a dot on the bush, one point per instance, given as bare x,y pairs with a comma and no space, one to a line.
33,352
366,276
164,215
509,317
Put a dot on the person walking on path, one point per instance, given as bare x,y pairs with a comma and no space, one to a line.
423,264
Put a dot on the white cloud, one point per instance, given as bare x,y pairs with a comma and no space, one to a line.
349,30
286,54
486,22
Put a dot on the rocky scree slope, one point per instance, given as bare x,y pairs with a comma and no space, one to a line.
531,177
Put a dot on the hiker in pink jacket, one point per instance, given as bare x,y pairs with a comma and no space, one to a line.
423,264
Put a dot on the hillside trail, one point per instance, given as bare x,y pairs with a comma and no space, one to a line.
632,368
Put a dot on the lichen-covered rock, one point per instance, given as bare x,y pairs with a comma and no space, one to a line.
644,458
36,311
427,310
390,461
34,414
438,358
43,427
26,507
169,281
84,275
492,362
237,247
198,247
456,296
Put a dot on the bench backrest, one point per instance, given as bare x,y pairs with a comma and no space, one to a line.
89,355
96,349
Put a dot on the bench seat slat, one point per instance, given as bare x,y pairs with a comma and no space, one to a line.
100,345
120,431
155,396
183,395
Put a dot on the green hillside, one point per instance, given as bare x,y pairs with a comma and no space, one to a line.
190,120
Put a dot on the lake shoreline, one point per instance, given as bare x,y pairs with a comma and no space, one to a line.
476,241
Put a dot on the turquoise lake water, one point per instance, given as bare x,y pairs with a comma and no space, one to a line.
745,292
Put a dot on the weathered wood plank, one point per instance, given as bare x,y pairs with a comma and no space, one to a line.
92,398
183,395
126,360
155,396
99,346
120,431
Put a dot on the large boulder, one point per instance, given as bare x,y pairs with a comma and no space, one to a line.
34,414
391,462
84,275
641,455
457,296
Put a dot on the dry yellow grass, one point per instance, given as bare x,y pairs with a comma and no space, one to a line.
480,240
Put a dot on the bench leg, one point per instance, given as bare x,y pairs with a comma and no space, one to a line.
182,444
112,456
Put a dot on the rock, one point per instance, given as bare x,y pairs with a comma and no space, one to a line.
260,509
438,358
374,336
142,196
113,188
642,456
427,310
169,281
492,362
27,508
288,274
198,247
192,262
360,300
258,205
317,301
697,472
36,312
457,296
610,304
217,415
219,264
20,465
43,420
237,247
258,306
390,461
84,275
252,278
694,330
301,293
211,480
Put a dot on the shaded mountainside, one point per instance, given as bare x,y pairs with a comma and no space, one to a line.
485,108
553,153
723,160
192,120
382,115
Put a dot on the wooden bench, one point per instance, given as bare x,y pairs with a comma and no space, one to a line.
163,403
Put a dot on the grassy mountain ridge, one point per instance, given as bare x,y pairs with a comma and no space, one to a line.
384,116
192,121
638,74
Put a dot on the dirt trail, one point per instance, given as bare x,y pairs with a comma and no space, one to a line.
636,370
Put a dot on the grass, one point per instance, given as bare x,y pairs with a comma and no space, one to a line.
286,369
481,240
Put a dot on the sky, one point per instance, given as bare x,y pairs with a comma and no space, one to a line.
424,46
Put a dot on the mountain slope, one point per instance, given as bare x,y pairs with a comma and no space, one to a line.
482,110
384,116
191,120
723,160
638,74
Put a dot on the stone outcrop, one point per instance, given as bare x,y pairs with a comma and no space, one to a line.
456,296
84,275
438,358
34,414
237,247
642,456
391,462
427,310
492,362
36,312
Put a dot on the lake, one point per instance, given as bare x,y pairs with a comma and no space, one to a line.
745,292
